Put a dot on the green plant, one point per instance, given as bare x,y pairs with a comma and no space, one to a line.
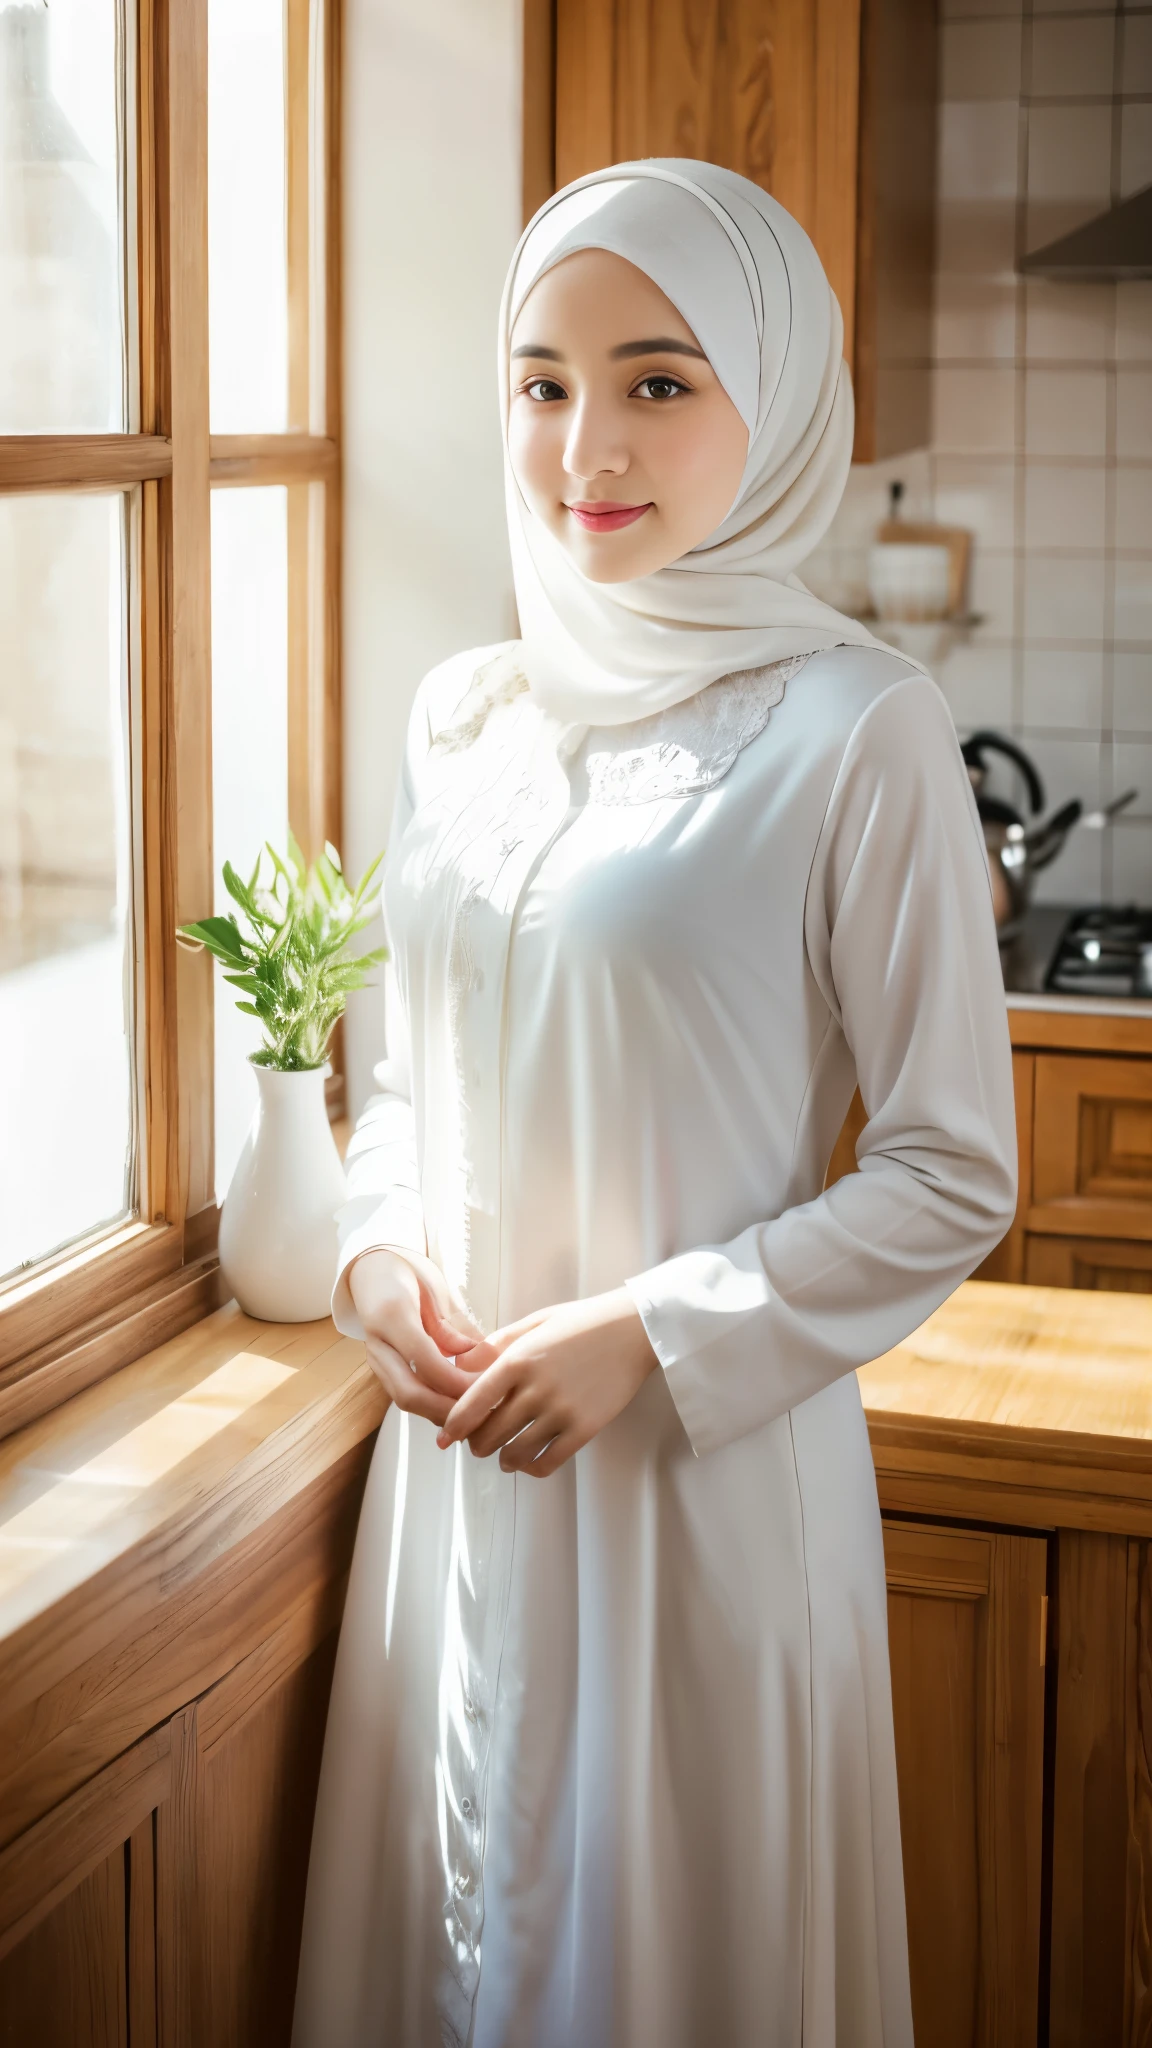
290,963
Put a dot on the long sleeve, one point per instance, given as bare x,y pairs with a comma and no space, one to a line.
384,1208
900,938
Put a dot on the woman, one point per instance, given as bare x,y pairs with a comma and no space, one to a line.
610,1756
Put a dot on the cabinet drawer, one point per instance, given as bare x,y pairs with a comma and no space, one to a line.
1092,1148
1114,1268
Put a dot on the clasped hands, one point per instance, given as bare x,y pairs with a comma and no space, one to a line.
535,1391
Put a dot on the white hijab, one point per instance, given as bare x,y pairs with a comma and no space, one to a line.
747,280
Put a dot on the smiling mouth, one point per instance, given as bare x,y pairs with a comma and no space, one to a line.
604,518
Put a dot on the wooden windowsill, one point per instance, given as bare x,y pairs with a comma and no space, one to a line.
1039,1397
123,1495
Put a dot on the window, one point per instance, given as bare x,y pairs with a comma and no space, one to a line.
169,661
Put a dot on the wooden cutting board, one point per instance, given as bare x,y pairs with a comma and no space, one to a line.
957,540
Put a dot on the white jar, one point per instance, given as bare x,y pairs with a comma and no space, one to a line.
909,579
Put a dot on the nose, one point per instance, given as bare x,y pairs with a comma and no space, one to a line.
594,446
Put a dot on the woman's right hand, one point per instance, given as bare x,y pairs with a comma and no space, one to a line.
415,1327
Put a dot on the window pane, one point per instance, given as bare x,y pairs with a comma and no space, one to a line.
249,751
66,1093
61,324
247,231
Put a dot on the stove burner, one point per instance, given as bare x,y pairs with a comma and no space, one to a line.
1105,952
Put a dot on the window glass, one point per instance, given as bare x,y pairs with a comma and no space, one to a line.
249,752
247,230
61,268
66,1089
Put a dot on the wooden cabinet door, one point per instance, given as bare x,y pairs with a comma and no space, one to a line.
161,1905
77,1913
770,88
1092,1148
65,1984
830,107
967,1619
240,1856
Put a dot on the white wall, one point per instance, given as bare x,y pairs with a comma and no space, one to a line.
432,211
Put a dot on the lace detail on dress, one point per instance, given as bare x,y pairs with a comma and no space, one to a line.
691,745
499,681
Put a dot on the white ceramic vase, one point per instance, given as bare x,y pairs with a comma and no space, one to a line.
277,1225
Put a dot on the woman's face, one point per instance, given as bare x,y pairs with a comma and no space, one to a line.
621,437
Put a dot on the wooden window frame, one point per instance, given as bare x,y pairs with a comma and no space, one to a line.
100,1303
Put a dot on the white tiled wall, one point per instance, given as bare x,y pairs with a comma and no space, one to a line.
1042,442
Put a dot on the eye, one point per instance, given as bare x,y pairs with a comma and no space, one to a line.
659,386
543,390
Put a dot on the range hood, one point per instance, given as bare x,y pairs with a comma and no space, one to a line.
1118,244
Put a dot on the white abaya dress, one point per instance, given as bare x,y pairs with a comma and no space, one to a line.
610,1761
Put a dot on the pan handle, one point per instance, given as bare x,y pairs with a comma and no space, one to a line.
1046,840
973,752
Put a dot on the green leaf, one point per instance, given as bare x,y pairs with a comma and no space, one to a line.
221,935
238,890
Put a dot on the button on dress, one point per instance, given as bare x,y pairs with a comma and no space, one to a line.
610,1760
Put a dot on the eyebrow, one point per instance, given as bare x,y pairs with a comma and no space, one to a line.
658,345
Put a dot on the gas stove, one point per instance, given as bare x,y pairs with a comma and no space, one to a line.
1105,952
1061,951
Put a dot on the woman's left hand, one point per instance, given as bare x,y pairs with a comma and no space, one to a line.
547,1384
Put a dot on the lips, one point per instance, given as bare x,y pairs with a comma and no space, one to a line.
606,518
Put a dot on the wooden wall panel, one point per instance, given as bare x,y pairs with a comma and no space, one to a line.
65,1984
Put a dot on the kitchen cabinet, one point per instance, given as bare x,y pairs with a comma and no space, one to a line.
1083,1088
1083,1084
830,107
1031,1408
187,1928
967,1618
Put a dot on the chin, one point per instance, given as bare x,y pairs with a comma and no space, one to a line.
603,565
614,572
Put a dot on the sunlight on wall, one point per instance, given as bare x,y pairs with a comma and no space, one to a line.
432,212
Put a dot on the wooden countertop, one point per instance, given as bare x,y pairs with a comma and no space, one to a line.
1022,1405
